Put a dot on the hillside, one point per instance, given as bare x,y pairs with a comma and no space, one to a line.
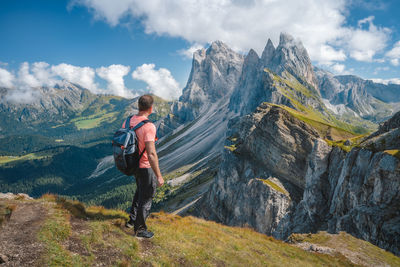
66,115
53,231
66,155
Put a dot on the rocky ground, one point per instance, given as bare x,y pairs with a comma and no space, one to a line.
18,243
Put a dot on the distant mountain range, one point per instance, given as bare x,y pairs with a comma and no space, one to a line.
60,142
64,114
364,98
268,141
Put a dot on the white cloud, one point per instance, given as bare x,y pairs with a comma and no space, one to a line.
25,78
159,82
387,81
188,53
379,60
247,24
328,54
363,44
83,76
6,78
112,11
38,74
114,75
338,68
43,74
394,62
394,54
22,95
379,69
21,85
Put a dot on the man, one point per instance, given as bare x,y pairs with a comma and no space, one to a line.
148,175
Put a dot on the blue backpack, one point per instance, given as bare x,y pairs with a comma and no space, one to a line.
125,148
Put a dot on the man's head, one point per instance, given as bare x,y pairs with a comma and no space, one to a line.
146,103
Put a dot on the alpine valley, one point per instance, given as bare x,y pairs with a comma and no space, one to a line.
267,141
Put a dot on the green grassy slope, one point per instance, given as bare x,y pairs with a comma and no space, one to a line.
323,127
75,235
300,94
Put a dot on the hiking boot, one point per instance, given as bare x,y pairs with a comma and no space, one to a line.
144,234
130,223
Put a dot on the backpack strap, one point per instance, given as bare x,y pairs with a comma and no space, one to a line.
128,122
137,126
140,124
141,154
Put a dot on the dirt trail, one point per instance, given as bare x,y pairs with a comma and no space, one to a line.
104,255
74,243
18,236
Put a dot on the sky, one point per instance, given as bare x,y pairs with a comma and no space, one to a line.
127,47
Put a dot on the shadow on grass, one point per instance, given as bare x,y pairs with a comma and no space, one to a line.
99,213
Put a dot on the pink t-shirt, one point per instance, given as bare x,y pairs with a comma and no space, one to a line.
146,133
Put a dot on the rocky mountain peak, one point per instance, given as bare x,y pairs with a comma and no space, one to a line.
215,72
286,39
251,58
290,55
289,60
220,53
199,55
349,79
268,53
218,46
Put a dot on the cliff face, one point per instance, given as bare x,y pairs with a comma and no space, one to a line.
355,192
214,74
280,177
262,173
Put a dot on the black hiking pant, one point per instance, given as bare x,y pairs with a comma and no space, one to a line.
146,184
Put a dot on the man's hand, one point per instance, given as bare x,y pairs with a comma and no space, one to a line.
160,181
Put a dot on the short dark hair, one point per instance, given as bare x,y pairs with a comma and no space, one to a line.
145,102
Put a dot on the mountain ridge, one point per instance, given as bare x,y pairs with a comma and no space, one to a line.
281,185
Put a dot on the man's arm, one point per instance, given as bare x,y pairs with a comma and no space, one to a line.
153,159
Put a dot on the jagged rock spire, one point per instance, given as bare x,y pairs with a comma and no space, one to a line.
291,55
215,72
268,53
251,58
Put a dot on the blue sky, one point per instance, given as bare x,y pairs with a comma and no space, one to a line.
346,37
48,31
